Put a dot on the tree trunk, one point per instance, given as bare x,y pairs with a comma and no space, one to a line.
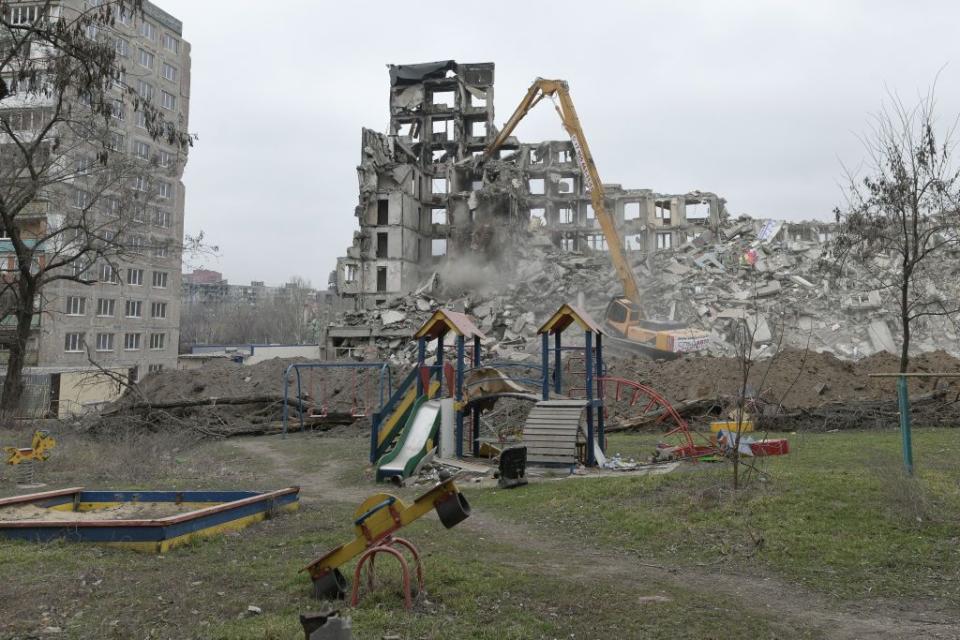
13,384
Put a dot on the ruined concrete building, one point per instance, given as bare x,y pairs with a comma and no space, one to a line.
427,197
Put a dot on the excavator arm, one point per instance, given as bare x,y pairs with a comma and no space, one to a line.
539,90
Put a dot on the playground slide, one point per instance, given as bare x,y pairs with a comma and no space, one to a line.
397,418
417,439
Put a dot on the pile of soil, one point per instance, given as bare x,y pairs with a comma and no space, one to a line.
799,389
224,398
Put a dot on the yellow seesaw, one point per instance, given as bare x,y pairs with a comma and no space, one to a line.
375,521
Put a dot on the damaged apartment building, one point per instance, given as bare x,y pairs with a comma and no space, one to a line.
427,195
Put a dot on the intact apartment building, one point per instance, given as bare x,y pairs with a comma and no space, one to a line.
425,197
130,318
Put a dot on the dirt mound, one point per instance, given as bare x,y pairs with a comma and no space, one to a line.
798,379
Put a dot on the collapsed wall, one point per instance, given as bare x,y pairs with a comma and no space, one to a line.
429,202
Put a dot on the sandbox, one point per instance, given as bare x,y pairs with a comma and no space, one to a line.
150,521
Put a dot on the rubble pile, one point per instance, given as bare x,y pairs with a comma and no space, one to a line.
225,398
785,289
797,389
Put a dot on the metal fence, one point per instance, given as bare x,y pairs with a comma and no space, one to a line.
35,401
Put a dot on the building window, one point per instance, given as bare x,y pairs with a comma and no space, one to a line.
160,279
135,277
157,340
155,368
349,273
158,310
80,199
23,15
141,149
134,309
116,142
109,274
169,72
164,190
144,89
117,111
161,250
438,216
438,247
381,278
76,306
170,43
123,15
664,240
661,211
168,100
131,342
106,307
146,59
122,47
438,185
141,119
166,159
148,31
104,342
383,209
631,211
536,186
161,218
382,242
73,342
565,215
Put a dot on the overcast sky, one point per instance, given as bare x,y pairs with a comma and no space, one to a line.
759,102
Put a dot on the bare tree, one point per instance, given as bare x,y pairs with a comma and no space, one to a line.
903,216
73,201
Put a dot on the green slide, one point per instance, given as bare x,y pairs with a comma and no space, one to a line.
418,437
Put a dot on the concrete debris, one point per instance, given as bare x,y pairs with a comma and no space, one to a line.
794,299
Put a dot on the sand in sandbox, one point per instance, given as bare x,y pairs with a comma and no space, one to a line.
127,511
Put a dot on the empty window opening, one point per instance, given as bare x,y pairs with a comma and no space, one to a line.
536,186
564,155
568,243
383,209
437,155
382,240
438,247
565,185
476,185
438,185
381,278
597,242
438,216
631,211
478,129
537,217
408,130
661,211
697,212
565,215
444,98
443,129
535,156
635,242
349,273
477,101
664,240
591,215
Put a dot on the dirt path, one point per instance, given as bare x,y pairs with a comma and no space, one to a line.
323,483
538,551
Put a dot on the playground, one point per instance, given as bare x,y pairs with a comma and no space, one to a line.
826,543
666,556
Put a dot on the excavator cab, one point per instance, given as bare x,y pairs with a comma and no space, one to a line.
629,327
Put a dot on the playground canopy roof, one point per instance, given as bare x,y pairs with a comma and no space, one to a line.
443,321
567,315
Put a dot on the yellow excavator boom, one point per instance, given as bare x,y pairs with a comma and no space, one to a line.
540,89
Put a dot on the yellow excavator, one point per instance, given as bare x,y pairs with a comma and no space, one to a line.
624,318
